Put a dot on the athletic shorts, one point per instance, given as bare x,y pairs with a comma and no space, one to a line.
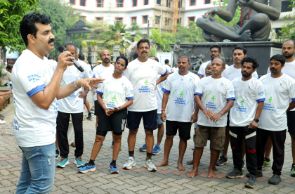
114,122
216,135
149,120
184,129
96,107
291,122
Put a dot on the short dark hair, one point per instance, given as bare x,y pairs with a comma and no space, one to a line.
240,48
143,40
279,58
166,61
184,56
124,58
27,25
216,46
70,44
255,65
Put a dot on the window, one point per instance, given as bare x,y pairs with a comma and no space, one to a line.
72,2
179,21
134,3
180,4
192,2
286,6
99,19
167,21
168,3
82,2
145,19
133,20
157,19
207,1
191,19
119,19
120,3
145,2
99,3
159,2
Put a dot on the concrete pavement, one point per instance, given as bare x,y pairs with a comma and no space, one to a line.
138,180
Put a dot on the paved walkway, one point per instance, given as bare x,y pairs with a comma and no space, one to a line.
137,180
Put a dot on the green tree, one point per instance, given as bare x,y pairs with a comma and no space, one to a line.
162,39
189,34
11,13
288,31
62,18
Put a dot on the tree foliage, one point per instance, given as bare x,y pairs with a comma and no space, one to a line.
288,31
189,34
163,40
11,13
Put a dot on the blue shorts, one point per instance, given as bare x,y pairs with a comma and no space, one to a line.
149,120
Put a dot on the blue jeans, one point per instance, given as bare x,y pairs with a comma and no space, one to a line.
38,169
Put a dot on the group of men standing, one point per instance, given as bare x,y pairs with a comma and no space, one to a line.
257,107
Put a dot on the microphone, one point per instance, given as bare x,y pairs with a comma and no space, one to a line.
78,66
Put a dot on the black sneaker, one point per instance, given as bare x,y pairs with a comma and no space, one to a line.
292,173
274,180
89,117
236,173
250,182
221,161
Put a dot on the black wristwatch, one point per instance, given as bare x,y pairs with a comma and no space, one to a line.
256,120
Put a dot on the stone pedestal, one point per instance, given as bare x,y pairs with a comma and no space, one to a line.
260,50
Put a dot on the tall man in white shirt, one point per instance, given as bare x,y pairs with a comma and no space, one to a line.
232,72
288,50
214,97
244,118
215,51
178,102
280,97
71,106
143,74
36,86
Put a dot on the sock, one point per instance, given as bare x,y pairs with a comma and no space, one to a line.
148,156
113,163
131,153
91,162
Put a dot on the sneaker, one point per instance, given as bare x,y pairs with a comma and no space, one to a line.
129,164
113,169
274,180
79,162
221,161
56,153
89,117
62,163
143,148
292,170
150,166
258,174
250,182
87,168
266,162
156,150
236,173
2,121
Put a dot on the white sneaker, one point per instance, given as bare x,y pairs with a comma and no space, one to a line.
150,166
2,121
129,164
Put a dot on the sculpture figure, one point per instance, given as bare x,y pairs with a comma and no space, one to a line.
254,23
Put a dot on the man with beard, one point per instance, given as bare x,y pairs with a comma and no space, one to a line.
143,74
244,118
288,51
232,72
104,70
36,86
280,97
215,51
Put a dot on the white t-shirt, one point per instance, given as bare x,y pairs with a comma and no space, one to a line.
160,91
181,90
248,94
278,94
289,69
231,73
101,71
143,76
214,95
73,103
202,69
32,126
115,92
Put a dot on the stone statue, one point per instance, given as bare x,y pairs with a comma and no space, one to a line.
254,24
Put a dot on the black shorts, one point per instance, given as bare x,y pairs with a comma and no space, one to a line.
291,122
184,129
96,107
114,122
149,120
